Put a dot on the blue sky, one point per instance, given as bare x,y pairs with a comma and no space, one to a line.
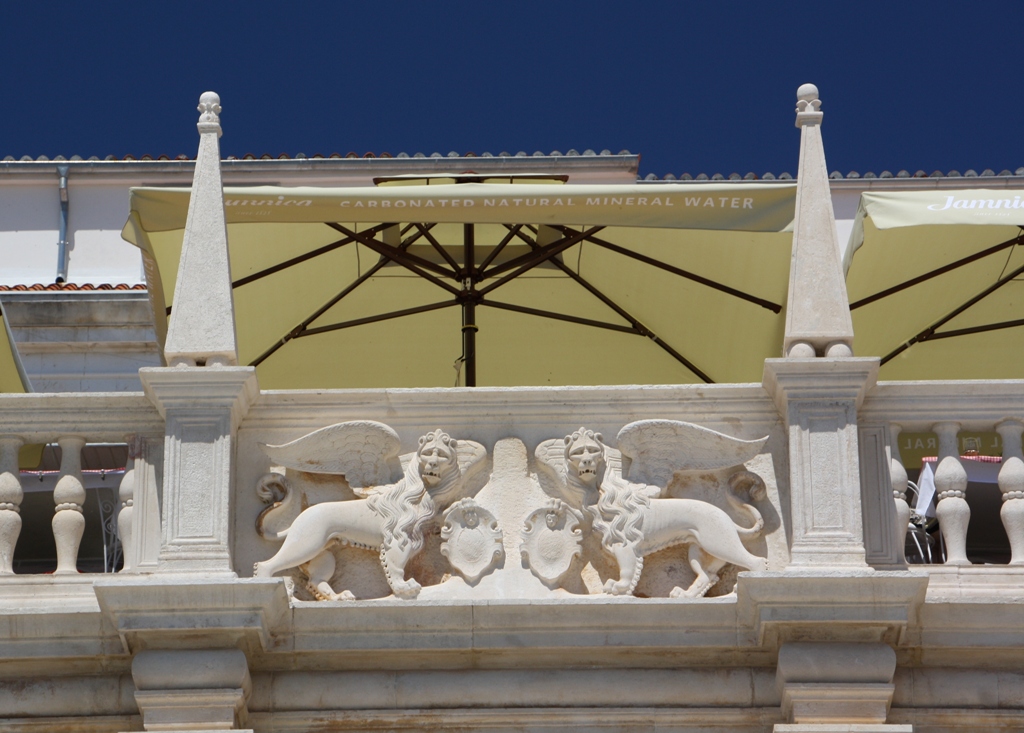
693,87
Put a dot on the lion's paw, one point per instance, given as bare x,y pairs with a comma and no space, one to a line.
323,592
695,590
406,589
616,587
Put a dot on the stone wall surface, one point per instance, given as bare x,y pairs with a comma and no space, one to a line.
492,638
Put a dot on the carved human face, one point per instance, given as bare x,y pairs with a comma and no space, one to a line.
435,461
551,518
584,457
471,518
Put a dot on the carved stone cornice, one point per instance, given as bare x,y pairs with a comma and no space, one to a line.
188,612
819,380
201,389
100,417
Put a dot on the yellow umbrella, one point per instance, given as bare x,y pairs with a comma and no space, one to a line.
12,374
936,283
493,284
14,380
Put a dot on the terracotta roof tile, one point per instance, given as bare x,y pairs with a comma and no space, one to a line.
71,286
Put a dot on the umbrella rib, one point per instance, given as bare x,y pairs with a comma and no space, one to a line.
929,332
337,244
560,316
437,245
537,257
332,302
410,262
299,259
935,273
640,328
975,329
512,231
378,318
299,329
773,307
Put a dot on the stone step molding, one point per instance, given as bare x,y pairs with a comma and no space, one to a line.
192,690
824,683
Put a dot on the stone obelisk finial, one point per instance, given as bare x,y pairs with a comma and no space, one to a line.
202,326
818,319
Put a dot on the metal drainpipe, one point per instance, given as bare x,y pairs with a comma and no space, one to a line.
62,243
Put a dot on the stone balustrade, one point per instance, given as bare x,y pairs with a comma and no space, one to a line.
70,421
948,410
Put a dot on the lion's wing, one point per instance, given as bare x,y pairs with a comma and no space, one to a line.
659,448
550,456
471,457
363,451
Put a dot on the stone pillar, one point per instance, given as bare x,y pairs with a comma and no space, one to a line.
828,686
69,496
1011,483
11,494
951,489
818,399
192,690
818,319
202,395
898,473
819,385
203,407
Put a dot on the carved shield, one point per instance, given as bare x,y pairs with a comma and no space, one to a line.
551,539
472,540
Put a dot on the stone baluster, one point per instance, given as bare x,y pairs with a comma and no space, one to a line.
1011,483
126,494
69,496
898,474
10,501
951,487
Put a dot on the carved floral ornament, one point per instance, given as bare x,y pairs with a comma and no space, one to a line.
619,496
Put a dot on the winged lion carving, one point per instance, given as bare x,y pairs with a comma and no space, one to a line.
388,517
623,492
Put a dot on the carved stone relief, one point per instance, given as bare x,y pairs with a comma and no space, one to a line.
472,540
632,518
614,508
389,517
551,539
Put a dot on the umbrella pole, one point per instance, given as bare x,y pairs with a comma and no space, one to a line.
469,328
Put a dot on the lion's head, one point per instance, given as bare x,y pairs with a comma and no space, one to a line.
618,511
437,461
584,457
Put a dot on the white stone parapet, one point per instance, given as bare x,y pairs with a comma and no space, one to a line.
948,408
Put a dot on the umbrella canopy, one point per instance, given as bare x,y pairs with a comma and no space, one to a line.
936,283
14,380
12,375
544,283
